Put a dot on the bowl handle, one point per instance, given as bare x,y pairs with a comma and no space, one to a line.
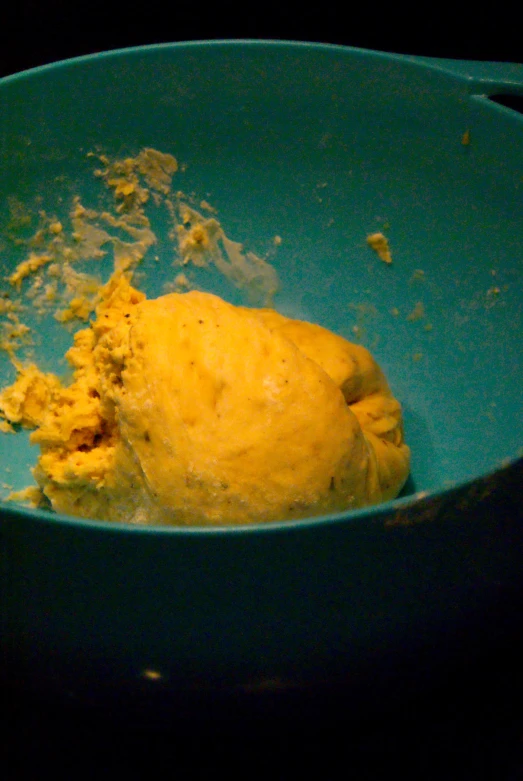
484,78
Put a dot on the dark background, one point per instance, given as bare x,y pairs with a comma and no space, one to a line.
469,723
34,32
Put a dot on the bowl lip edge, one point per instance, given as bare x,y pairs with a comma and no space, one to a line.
372,514
260,43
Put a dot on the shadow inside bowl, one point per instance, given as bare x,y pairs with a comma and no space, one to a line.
425,474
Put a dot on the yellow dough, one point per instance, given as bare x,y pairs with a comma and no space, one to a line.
188,410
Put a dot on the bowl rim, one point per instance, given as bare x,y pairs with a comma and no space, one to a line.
421,500
434,64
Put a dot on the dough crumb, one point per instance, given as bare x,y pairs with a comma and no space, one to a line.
181,283
31,495
379,243
417,313
27,267
206,206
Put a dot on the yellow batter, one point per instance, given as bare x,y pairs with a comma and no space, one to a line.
188,410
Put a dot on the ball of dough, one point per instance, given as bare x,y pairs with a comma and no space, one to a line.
188,410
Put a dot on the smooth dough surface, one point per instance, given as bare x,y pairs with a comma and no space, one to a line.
187,410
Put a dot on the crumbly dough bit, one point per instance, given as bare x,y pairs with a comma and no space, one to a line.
55,282
76,435
13,333
202,241
379,243
31,495
182,283
7,305
27,267
197,237
123,177
418,313
49,278
157,168
80,294
26,401
117,301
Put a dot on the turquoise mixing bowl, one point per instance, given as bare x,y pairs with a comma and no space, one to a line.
320,146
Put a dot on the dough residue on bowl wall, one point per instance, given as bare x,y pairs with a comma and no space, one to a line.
49,278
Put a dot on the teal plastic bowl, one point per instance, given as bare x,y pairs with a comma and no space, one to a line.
321,146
